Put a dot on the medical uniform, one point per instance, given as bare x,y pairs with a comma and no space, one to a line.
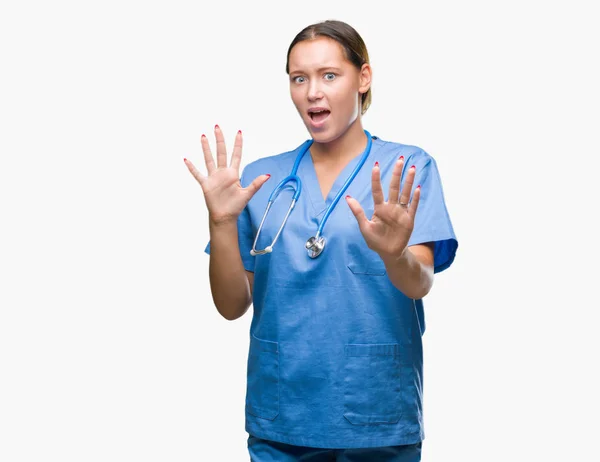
335,352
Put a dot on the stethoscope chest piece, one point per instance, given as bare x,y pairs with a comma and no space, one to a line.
315,246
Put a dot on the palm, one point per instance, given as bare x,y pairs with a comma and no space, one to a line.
223,192
386,228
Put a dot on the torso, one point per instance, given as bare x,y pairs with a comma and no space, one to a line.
335,351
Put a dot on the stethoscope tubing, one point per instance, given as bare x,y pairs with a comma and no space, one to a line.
294,177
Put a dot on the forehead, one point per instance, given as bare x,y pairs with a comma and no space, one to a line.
317,53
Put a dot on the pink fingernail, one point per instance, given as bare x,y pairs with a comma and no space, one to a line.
203,135
184,159
376,164
401,158
412,166
240,132
347,197
268,175
216,126
418,187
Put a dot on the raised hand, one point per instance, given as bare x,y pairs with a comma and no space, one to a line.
389,229
223,193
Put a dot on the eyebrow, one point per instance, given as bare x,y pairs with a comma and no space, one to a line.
321,69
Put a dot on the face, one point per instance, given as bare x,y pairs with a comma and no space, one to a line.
325,87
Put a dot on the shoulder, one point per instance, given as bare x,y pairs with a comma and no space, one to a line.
412,154
267,164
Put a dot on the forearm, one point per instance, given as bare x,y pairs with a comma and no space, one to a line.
409,274
228,281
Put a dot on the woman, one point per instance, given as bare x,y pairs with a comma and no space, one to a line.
335,355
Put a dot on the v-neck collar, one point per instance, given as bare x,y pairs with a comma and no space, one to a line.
308,175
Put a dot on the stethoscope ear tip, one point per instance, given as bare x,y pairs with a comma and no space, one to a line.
267,249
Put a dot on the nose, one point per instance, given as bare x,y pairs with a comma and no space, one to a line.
314,90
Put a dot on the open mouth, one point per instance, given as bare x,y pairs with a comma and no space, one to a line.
319,116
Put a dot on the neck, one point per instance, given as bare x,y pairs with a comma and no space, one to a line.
342,149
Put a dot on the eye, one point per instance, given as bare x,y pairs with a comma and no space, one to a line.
330,76
298,79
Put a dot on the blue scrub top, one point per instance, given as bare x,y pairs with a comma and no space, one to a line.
335,352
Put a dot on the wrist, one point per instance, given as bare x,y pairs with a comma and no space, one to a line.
221,223
395,258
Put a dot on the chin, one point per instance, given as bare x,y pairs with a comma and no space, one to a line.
323,136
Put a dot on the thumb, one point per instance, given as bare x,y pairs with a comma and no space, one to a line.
256,185
357,210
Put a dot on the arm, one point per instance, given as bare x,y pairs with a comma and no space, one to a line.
226,198
409,268
230,284
412,271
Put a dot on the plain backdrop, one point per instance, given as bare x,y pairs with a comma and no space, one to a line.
110,346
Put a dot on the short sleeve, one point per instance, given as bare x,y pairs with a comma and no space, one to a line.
245,233
432,221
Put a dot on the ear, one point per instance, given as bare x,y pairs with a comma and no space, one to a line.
364,78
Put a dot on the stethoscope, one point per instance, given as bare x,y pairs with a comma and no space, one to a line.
315,244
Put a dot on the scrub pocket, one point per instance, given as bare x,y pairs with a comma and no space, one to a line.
262,391
372,383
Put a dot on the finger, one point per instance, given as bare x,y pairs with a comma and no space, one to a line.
194,171
221,150
376,185
236,157
395,183
208,158
256,184
414,204
357,211
407,188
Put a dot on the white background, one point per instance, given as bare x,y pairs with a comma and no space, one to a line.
110,346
